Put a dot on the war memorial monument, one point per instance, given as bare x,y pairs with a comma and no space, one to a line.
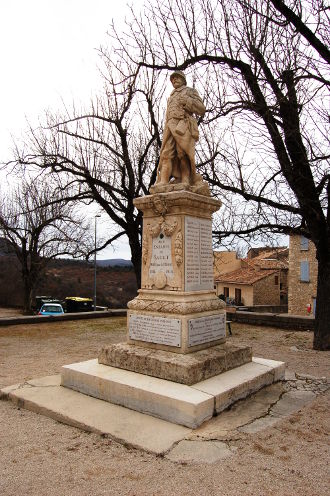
175,371
176,363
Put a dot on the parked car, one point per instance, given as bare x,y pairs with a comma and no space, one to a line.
51,309
41,300
78,304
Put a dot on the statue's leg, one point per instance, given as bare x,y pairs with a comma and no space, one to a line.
166,160
165,172
186,152
192,167
184,168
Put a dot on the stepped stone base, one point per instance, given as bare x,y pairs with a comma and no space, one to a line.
184,369
177,403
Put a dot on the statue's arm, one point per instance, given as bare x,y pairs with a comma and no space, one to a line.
194,104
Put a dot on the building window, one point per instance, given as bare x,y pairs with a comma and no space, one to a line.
304,271
276,280
303,243
226,292
238,296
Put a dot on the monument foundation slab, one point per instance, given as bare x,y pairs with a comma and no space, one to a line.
185,405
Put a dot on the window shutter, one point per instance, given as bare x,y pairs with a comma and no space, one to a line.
303,243
304,271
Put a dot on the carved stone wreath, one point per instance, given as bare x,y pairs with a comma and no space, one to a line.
162,226
182,308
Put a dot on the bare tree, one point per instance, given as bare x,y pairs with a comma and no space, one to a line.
318,9
108,153
264,64
40,227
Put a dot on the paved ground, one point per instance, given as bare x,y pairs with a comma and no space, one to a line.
40,456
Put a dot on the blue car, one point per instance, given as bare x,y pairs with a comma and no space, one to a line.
51,309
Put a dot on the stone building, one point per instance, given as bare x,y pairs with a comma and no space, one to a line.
225,261
302,276
259,280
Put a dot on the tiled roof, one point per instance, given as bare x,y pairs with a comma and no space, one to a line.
276,253
267,260
248,275
272,264
268,252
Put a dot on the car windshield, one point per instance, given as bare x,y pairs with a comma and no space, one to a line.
51,308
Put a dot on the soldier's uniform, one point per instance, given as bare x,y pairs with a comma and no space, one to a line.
180,134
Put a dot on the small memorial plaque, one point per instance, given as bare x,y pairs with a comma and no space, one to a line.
198,254
161,258
206,329
160,330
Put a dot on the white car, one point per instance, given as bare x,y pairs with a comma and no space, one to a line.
51,309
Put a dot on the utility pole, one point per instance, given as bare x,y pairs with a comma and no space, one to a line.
96,216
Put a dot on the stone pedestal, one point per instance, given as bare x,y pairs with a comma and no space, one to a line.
177,309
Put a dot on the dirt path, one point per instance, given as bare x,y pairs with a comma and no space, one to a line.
39,456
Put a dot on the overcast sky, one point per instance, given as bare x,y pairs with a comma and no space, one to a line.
48,53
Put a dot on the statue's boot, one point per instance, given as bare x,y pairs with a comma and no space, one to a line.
165,172
185,170
194,177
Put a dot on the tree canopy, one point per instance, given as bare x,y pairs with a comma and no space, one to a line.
39,227
107,152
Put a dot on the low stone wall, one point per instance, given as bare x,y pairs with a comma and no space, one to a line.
283,321
268,308
37,319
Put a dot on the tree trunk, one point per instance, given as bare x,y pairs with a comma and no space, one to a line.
322,314
28,295
136,258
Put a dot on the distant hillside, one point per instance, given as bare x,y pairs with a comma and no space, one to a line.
114,262
116,284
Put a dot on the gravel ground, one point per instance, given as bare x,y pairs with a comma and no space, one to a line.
10,312
40,456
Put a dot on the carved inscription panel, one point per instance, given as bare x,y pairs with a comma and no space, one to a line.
161,258
206,329
198,254
160,330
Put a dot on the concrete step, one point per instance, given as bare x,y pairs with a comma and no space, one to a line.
238,383
47,397
189,406
164,399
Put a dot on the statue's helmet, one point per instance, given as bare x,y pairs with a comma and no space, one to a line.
178,73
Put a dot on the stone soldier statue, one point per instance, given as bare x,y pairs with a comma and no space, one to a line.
177,154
